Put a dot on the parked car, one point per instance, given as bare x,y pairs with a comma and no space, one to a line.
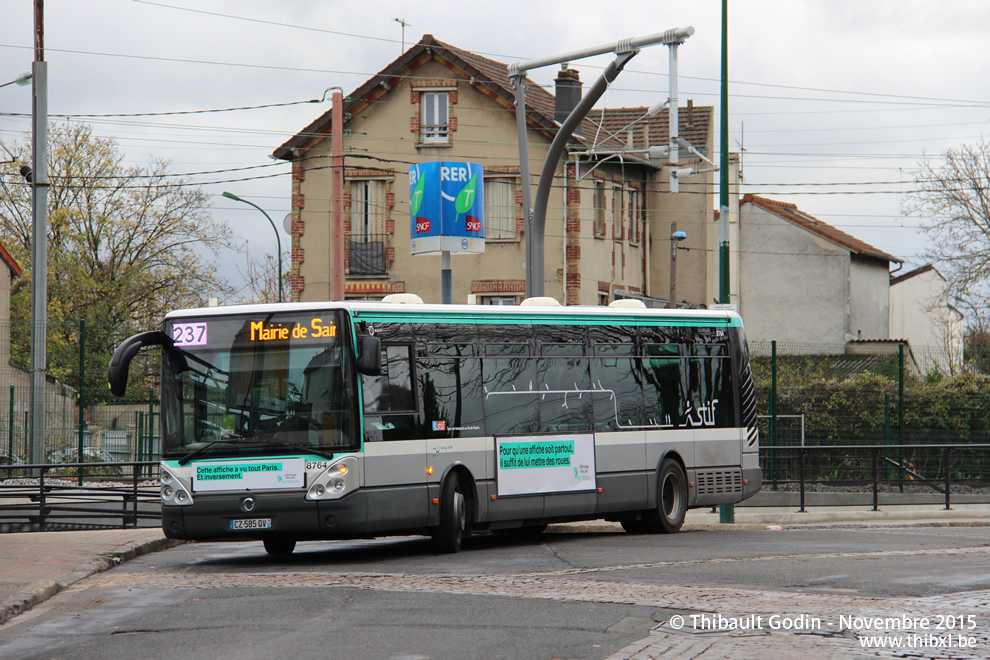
6,458
90,455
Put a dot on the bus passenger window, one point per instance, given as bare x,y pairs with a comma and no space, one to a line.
615,374
665,384
450,380
392,390
511,398
565,389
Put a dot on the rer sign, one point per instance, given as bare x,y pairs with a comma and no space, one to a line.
447,208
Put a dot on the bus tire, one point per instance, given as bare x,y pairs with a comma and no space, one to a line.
454,517
668,516
279,547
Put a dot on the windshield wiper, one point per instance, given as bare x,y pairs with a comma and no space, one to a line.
309,449
226,440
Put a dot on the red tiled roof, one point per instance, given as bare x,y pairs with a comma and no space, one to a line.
694,124
793,214
913,273
9,260
494,77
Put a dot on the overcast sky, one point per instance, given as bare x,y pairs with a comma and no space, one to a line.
835,101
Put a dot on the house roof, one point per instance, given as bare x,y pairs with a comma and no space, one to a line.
492,78
793,214
917,271
9,260
694,125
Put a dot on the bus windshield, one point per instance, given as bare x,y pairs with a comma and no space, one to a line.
250,383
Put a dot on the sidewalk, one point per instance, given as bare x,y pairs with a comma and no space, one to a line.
34,566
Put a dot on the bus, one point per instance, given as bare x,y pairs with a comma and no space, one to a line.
349,420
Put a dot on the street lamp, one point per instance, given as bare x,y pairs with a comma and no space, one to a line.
278,238
22,79
675,239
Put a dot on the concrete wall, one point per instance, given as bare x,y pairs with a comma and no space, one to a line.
933,328
869,297
793,284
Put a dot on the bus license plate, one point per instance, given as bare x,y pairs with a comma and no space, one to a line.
251,523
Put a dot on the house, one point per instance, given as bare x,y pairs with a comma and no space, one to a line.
921,314
609,217
15,379
802,280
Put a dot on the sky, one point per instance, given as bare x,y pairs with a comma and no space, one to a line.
832,104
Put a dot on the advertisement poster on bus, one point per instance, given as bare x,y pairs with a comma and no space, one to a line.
447,208
256,474
546,464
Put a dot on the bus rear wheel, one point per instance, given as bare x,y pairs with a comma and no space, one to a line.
454,518
279,547
668,517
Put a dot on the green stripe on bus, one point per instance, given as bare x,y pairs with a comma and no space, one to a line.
513,319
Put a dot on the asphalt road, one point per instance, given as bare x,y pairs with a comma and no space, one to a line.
594,595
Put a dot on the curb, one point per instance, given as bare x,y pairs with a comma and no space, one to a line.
616,528
37,592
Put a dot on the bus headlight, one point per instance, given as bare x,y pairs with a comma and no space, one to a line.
336,481
175,491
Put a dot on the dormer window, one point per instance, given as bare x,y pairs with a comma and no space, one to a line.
435,119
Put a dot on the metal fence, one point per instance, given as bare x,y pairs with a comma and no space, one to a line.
871,393
74,496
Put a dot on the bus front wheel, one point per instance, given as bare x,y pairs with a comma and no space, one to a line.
668,516
453,527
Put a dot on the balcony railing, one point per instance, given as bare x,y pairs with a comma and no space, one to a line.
366,254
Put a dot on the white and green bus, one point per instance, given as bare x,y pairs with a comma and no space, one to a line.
344,420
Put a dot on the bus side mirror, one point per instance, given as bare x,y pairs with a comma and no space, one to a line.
120,363
370,356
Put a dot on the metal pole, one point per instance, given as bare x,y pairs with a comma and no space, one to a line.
534,237
674,120
278,237
948,477
673,35
727,511
886,434
535,219
338,275
773,414
900,416
446,295
526,184
724,295
149,442
801,459
672,301
875,460
39,237
10,430
82,394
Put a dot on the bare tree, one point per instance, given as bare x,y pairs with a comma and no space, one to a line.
125,244
261,274
952,197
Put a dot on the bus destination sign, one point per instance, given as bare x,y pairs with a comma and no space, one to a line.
197,333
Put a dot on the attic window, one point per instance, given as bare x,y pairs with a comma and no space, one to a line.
435,117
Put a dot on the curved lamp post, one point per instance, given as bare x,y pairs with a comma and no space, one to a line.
22,79
278,238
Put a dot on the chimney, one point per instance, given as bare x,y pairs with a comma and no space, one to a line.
568,92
